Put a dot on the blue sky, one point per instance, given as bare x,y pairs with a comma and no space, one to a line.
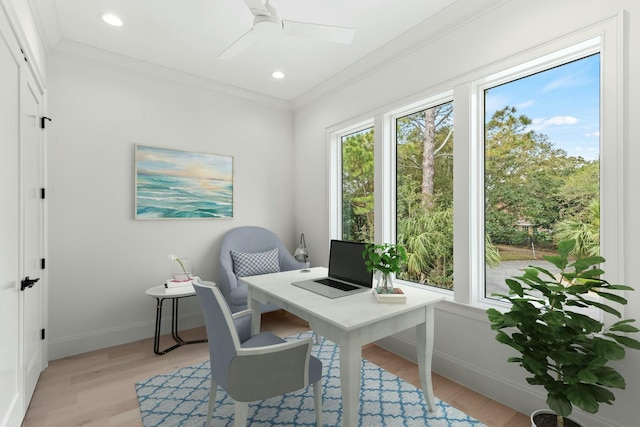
563,102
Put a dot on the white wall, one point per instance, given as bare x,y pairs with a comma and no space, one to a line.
465,349
101,260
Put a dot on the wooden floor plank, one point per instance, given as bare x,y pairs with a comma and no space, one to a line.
97,389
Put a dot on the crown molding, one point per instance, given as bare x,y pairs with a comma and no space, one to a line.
444,22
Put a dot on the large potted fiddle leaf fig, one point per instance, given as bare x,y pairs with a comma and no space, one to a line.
563,350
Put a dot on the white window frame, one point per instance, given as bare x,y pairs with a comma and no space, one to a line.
611,164
467,94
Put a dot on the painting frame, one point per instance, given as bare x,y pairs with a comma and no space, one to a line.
178,184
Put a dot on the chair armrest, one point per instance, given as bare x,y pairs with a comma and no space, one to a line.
242,322
242,313
257,373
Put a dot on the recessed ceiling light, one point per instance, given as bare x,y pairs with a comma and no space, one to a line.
111,19
277,75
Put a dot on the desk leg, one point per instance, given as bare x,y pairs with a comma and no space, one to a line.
424,347
350,377
257,310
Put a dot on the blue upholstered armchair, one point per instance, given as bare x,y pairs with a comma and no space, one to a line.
248,251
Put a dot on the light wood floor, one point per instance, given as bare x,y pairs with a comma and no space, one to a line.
97,388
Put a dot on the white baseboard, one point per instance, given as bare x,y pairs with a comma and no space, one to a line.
78,344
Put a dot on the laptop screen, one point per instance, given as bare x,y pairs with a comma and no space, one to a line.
346,263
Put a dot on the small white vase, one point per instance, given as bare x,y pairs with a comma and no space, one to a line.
567,421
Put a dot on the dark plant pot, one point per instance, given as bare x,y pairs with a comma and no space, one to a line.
546,418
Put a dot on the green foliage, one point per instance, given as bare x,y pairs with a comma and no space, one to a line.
527,178
584,229
386,258
358,186
564,351
428,237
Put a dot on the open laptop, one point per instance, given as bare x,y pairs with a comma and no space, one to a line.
348,273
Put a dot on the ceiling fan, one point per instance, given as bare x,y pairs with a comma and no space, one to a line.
267,23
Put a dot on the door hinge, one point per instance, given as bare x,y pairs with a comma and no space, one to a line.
42,263
23,55
42,335
42,193
43,120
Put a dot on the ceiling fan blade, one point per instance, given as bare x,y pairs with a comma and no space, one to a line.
321,32
257,7
239,45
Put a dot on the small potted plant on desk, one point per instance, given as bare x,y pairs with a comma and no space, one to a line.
564,351
386,259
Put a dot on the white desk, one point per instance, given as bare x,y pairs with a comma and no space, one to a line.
351,322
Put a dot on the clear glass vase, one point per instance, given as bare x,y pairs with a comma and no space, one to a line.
385,283
182,269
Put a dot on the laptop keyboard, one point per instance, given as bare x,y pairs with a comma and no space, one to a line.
337,285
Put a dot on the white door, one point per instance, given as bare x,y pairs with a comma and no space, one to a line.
31,166
11,395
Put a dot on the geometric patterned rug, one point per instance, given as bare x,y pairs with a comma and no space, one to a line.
180,399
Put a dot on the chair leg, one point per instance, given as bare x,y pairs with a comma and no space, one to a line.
317,397
212,401
242,411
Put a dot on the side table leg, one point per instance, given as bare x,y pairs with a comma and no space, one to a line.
156,338
174,328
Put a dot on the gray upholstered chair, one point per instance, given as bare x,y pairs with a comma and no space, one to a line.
262,366
249,251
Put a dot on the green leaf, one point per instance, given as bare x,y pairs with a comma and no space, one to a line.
626,341
565,247
609,377
624,326
515,287
581,396
587,377
559,404
620,288
608,349
604,307
612,297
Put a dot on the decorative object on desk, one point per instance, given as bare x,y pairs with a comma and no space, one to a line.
180,399
386,259
174,184
301,254
565,351
182,269
396,297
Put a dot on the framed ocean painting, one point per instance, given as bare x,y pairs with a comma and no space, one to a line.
174,184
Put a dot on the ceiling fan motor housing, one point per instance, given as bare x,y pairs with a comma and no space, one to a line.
267,26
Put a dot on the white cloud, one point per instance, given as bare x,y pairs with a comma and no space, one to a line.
561,120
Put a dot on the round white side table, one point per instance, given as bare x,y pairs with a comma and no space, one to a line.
160,293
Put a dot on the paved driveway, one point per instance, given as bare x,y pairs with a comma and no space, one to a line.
496,276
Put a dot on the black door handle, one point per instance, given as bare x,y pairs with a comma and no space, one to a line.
27,283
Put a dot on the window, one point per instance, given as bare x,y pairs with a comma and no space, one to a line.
424,194
537,159
357,186
541,167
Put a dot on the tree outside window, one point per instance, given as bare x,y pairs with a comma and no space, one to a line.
542,167
358,186
424,194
